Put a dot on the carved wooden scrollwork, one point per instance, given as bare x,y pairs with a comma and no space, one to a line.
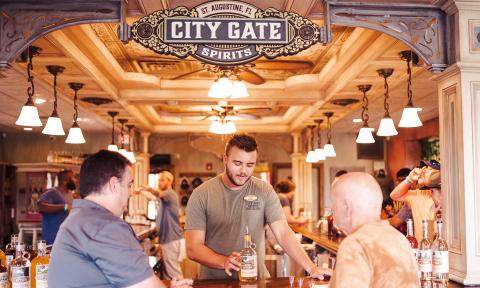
21,22
421,27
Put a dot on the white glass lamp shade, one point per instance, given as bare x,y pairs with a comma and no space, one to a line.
329,150
410,118
225,86
112,147
365,136
214,91
131,157
239,90
75,135
387,127
54,126
229,127
29,116
215,127
123,152
311,157
320,154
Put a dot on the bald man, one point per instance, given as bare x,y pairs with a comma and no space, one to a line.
374,254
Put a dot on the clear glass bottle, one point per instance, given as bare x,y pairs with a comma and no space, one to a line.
10,250
425,258
440,264
39,269
411,238
3,274
3,258
248,260
20,269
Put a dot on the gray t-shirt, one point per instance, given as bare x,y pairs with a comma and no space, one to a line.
167,219
95,248
224,213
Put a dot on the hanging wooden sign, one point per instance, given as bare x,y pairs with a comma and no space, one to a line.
226,33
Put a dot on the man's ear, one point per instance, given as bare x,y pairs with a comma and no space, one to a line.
225,159
113,184
347,205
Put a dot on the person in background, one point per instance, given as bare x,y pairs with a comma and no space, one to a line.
421,192
384,182
55,203
94,246
339,173
285,192
221,208
399,220
169,231
387,209
374,254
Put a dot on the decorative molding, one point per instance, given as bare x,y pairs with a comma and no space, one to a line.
421,27
22,22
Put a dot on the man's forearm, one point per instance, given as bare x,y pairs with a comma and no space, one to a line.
290,244
399,193
206,256
50,208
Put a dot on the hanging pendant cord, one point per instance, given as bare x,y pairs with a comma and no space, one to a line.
365,116
31,89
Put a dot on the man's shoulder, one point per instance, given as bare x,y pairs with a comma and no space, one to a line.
207,185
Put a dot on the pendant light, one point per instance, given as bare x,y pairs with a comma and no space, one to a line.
365,134
75,135
319,152
328,148
311,156
112,146
29,113
130,154
54,123
410,113
387,127
122,149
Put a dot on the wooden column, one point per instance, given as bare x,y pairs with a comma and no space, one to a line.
302,176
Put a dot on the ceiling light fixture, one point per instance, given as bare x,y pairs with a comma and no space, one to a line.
410,113
319,152
29,113
228,85
222,126
130,154
387,127
75,135
365,133
328,148
311,155
122,149
54,123
112,146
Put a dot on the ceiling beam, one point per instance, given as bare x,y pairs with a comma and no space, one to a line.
202,128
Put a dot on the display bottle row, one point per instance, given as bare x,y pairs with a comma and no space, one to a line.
24,268
432,257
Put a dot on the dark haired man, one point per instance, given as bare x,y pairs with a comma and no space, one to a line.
221,208
94,246
55,203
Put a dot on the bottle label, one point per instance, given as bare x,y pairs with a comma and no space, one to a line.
415,253
9,259
41,276
425,260
249,266
440,262
20,277
3,279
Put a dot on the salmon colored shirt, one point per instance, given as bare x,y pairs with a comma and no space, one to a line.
423,207
376,256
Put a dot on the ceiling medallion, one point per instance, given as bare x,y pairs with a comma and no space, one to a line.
97,100
344,101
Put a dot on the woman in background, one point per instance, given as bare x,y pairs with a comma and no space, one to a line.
286,191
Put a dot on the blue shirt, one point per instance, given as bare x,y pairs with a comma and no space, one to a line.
167,221
95,248
51,222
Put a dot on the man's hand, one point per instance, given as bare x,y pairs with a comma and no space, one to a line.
183,283
231,263
320,273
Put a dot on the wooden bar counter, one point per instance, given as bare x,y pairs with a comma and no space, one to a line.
261,283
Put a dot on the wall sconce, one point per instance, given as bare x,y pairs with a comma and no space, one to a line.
75,135
410,113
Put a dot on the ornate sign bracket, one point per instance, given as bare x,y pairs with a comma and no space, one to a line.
421,27
22,22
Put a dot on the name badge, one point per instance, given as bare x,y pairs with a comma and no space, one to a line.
250,198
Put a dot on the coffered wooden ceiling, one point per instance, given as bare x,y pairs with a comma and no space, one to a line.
150,91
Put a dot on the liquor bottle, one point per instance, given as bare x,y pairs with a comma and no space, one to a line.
425,258
411,238
3,258
30,252
20,269
3,274
39,268
440,265
10,250
248,260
